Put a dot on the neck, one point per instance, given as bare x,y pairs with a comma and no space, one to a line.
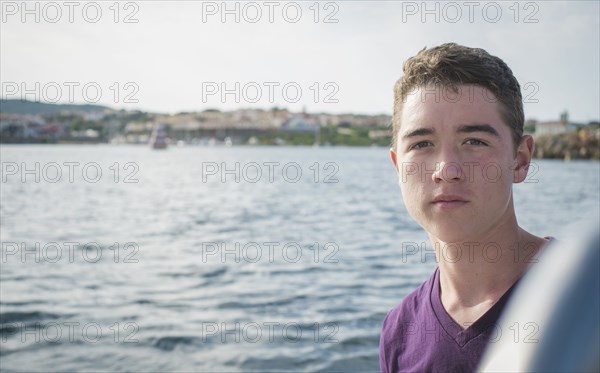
480,270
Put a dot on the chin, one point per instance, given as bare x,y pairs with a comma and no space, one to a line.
450,238
450,234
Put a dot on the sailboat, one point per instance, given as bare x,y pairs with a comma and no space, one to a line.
158,139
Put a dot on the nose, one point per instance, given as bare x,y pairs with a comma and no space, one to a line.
448,170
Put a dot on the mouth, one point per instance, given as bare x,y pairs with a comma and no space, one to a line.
449,201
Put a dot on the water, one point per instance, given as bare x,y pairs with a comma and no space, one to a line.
141,283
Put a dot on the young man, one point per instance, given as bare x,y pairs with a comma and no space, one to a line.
458,147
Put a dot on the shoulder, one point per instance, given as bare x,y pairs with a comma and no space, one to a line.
408,311
547,242
401,322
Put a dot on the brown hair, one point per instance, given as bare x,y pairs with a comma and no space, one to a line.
450,65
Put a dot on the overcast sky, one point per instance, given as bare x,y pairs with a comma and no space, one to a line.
345,55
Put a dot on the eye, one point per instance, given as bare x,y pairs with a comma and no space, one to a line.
475,142
420,145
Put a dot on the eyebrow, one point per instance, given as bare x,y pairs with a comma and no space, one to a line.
470,128
418,132
465,128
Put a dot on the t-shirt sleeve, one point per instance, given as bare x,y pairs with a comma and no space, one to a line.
397,334
382,357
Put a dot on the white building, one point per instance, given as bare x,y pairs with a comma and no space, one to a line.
555,127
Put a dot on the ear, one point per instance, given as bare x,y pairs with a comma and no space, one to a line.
523,158
394,158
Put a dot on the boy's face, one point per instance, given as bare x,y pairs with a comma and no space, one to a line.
456,162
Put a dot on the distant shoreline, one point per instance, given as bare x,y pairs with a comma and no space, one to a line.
555,147
25,122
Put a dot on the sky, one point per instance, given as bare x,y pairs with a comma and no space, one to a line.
327,56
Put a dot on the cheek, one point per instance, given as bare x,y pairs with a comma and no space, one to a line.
492,173
412,188
491,170
494,180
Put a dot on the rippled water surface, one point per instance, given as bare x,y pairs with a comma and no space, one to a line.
157,264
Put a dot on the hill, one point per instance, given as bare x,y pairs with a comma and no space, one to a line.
31,107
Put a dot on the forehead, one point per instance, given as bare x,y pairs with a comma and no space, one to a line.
436,106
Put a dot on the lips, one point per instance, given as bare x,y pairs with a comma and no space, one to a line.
448,198
449,201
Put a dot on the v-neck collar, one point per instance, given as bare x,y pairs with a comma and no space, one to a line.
484,323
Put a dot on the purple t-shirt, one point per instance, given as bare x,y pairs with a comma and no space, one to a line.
418,335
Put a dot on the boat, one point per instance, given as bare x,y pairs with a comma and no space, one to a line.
551,321
158,139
